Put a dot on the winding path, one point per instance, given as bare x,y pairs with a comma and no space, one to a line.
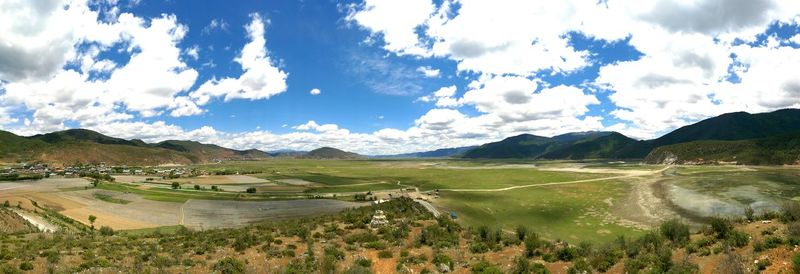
557,183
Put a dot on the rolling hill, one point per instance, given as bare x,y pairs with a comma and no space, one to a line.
85,146
330,153
726,127
742,133
576,145
776,150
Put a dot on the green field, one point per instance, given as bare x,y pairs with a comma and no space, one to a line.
573,201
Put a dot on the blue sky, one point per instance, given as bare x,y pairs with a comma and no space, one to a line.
160,70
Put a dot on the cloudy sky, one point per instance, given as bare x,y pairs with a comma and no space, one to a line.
390,76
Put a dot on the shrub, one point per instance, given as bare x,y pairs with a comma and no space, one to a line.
385,254
106,231
604,258
579,267
196,187
522,231
567,253
251,190
675,231
738,238
229,265
485,267
793,230
684,267
796,263
441,258
721,227
364,262
176,185
26,266
790,211
531,244
749,213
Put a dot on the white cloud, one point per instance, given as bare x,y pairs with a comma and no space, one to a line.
260,79
429,71
215,24
443,97
315,91
193,52
396,21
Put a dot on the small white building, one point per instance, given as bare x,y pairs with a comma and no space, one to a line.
379,219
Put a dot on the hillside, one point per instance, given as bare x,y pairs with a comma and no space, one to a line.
726,127
578,145
520,146
330,153
85,146
601,147
776,150
206,152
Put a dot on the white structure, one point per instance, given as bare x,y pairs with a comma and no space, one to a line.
379,219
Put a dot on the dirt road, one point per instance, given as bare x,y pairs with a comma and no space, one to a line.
629,175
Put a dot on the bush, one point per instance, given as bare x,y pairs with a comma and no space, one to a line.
675,231
485,267
364,262
796,263
229,265
738,238
749,213
441,258
176,185
790,211
196,187
522,231
721,227
26,266
106,231
385,254
567,253
579,267
251,190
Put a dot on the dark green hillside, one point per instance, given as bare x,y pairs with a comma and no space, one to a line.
330,153
79,135
15,148
728,127
592,148
521,146
776,150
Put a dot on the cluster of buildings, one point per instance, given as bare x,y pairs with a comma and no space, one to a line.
102,169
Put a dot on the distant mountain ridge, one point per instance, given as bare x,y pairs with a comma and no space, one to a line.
438,153
85,146
762,138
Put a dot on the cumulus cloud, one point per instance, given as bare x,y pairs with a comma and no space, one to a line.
429,71
214,25
689,55
315,91
260,79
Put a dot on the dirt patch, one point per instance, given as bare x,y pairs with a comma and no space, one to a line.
643,208
10,222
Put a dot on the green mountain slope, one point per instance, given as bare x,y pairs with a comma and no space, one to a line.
330,153
601,147
728,127
775,150
521,146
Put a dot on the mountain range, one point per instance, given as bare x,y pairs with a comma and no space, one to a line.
740,137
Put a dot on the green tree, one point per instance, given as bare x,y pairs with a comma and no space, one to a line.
251,190
92,218
176,185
